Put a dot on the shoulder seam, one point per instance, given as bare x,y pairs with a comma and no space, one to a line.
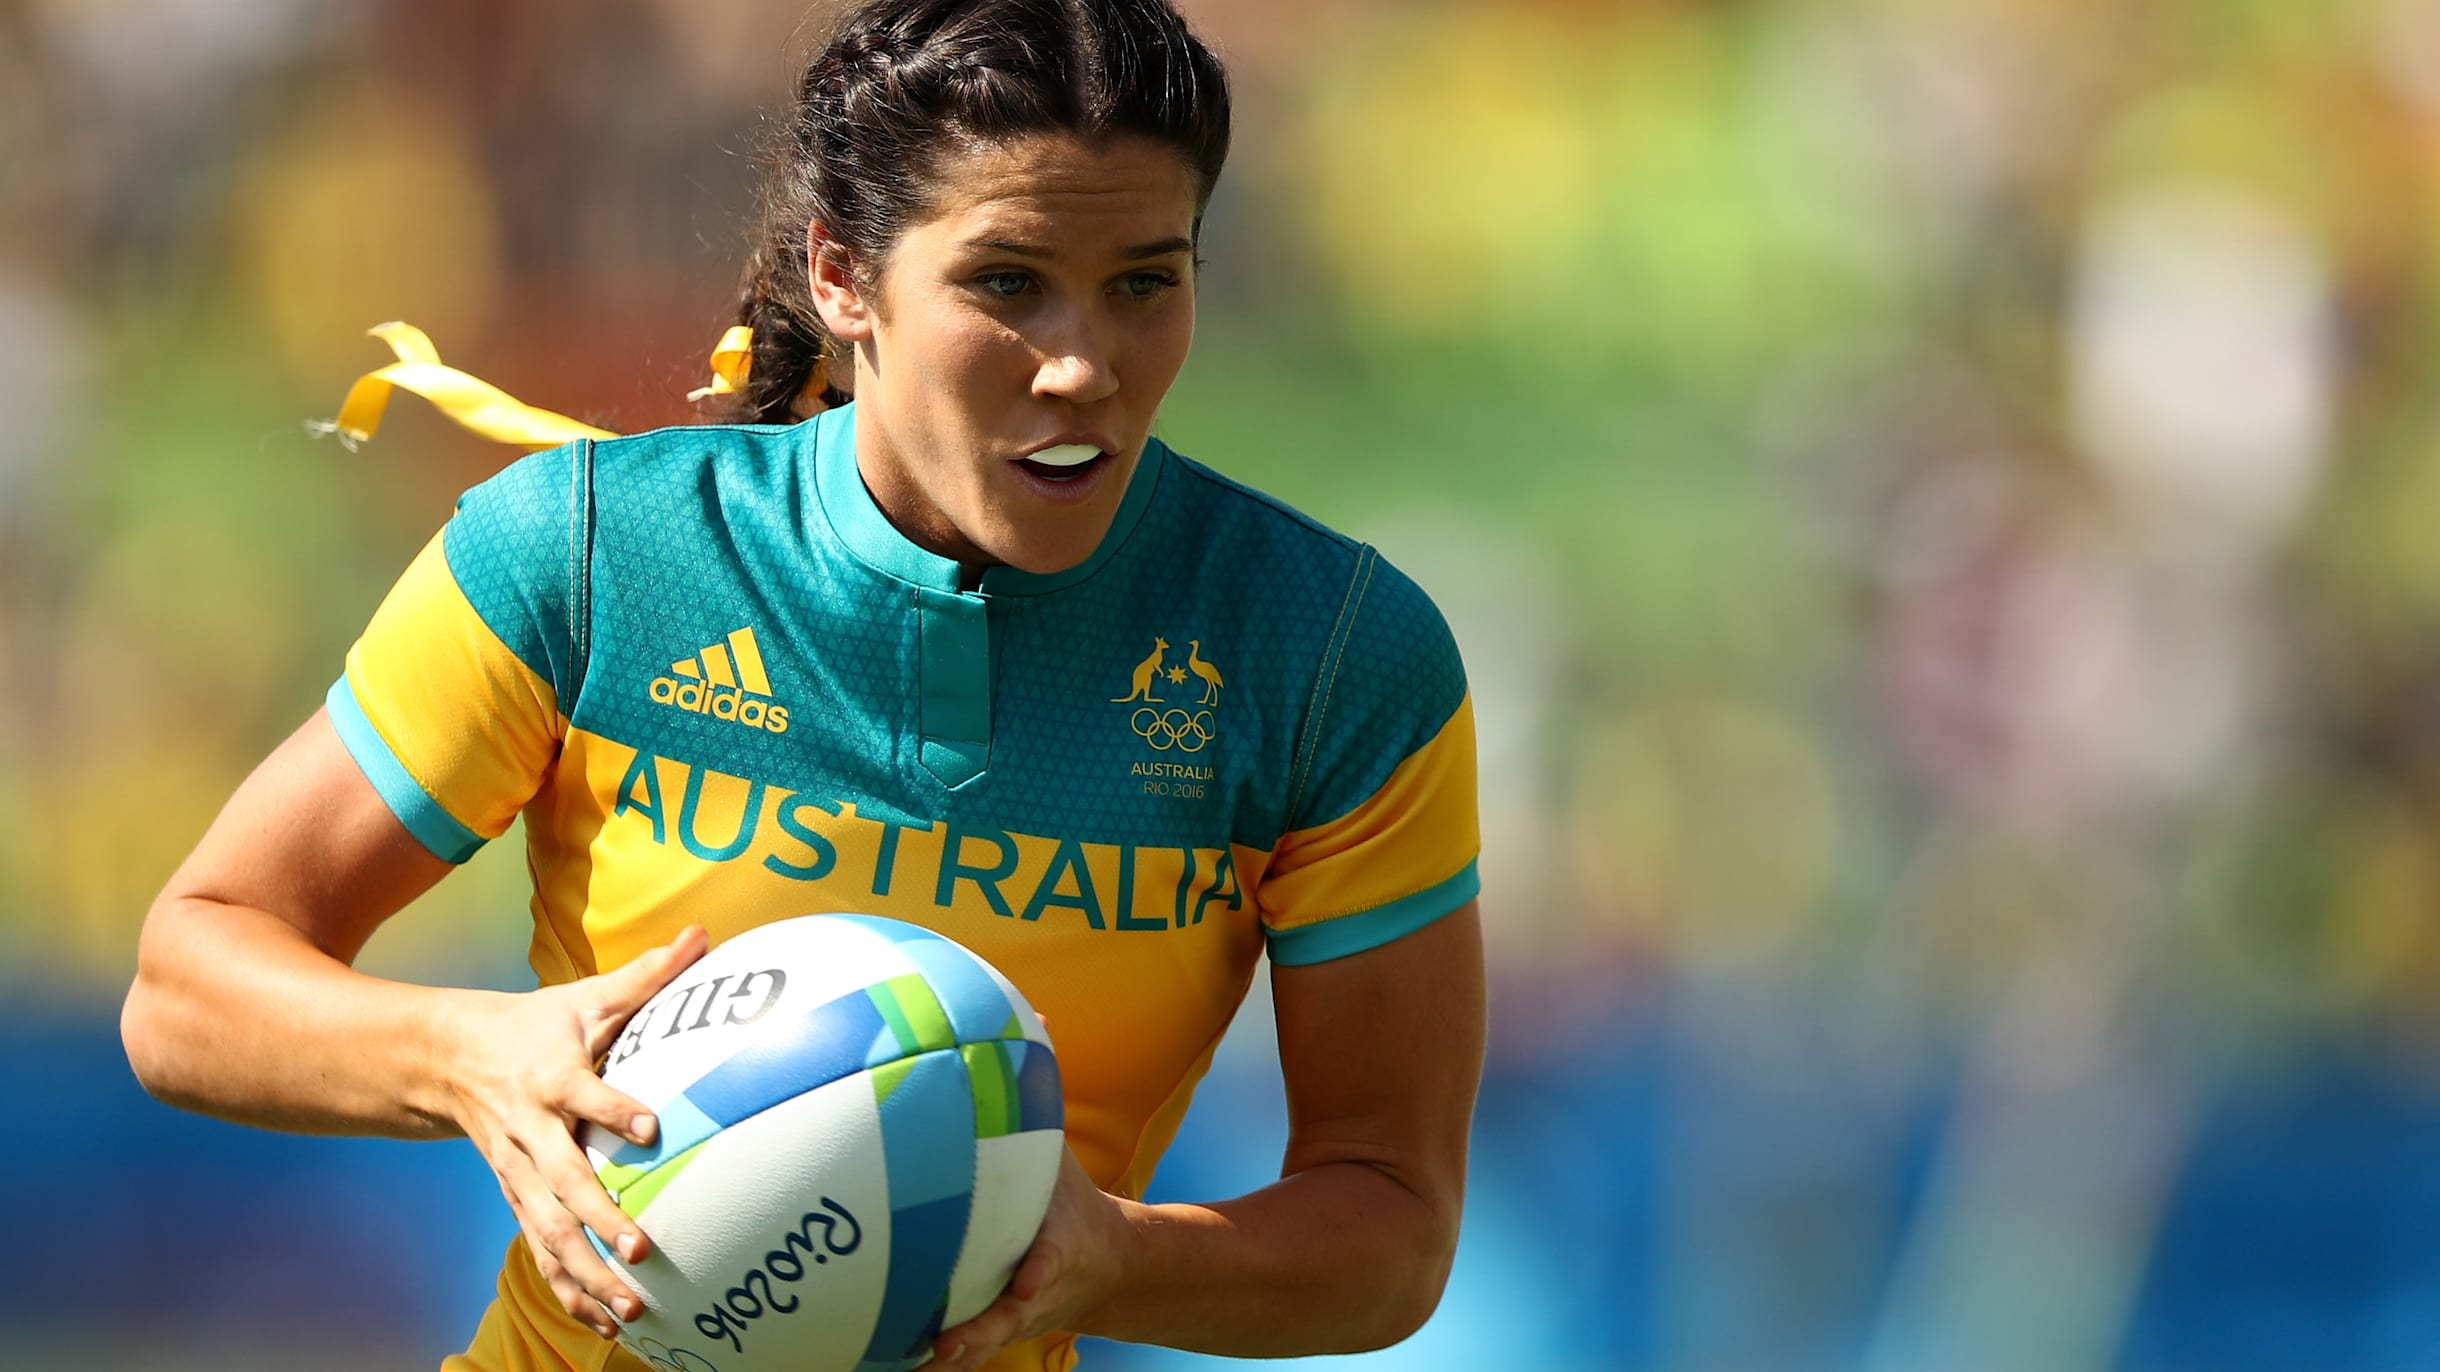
580,575
668,430
1326,678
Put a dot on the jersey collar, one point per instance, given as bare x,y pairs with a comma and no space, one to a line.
859,524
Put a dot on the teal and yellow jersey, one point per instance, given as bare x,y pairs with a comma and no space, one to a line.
722,689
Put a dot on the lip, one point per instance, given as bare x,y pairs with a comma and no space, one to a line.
1102,443
1068,491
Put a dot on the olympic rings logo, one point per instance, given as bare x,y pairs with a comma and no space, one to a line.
1167,729
664,1358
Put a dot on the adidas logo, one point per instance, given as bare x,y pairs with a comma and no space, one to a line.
724,681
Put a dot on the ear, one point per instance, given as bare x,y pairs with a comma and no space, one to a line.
836,297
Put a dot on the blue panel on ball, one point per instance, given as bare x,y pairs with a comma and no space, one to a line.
927,1137
826,1043
927,1130
1038,1099
924,1243
978,1009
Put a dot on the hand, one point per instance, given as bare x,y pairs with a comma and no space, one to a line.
521,1069
1075,1262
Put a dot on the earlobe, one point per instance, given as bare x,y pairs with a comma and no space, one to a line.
835,296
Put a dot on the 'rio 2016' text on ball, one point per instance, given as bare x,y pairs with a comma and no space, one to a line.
753,1297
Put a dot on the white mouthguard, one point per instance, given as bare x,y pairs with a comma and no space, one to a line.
1065,455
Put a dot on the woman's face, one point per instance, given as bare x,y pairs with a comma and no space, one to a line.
1015,346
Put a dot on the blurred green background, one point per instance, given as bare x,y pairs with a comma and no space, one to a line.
1940,498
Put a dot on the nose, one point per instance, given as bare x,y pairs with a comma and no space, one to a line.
1077,365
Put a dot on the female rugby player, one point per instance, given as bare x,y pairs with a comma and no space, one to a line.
974,650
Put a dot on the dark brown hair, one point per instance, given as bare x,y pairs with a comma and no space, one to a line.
899,84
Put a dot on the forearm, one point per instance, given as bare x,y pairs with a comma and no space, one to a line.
1339,1258
236,1014
1350,1249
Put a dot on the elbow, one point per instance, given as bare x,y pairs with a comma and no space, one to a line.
1419,1295
140,1035
154,1052
148,1034
1399,1313
1413,1283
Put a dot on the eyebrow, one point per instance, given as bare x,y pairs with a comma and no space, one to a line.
1163,248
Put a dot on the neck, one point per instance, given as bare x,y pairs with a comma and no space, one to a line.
904,505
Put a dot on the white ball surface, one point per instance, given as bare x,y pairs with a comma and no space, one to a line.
860,1126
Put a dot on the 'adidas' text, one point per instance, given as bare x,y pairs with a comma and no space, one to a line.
726,681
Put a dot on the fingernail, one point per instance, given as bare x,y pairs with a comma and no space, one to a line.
641,1128
630,1246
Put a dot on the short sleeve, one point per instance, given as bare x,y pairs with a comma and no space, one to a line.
451,698
1383,823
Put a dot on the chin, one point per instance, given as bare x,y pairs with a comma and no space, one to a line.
1045,546
1041,561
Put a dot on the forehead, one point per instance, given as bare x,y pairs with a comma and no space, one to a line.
1061,184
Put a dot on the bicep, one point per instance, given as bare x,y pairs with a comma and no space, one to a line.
1382,1051
307,839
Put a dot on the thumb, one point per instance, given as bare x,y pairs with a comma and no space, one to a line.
623,991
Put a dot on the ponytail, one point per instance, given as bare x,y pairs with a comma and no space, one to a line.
794,357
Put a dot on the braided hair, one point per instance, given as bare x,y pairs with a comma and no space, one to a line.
902,83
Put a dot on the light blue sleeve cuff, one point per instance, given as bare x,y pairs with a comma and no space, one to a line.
1337,938
432,826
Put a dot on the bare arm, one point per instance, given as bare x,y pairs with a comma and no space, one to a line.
1349,1250
246,1006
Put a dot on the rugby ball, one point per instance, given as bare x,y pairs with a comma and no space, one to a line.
860,1126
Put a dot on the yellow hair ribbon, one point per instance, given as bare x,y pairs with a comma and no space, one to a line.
478,405
732,359
492,412
733,362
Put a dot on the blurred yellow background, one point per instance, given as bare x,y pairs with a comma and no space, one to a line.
1941,500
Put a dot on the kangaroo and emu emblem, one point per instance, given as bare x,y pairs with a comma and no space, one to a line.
1179,729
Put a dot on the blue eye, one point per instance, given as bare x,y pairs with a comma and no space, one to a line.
1145,285
1007,285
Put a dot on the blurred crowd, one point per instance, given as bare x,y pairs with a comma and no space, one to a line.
1940,499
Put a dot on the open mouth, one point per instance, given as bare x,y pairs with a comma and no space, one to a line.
1067,462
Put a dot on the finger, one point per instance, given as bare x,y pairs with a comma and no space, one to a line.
554,1210
1034,1274
623,992
584,1203
581,1193
980,1339
572,1296
574,1300
636,982
580,1095
517,1177
967,1351
951,1344
959,1353
575,1297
